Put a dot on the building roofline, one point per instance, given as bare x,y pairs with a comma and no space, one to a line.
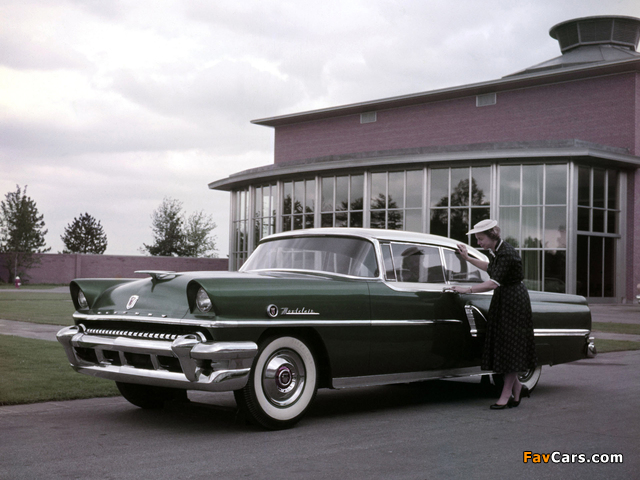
522,80
429,155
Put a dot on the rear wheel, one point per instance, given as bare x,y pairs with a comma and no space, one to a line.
282,384
528,379
150,397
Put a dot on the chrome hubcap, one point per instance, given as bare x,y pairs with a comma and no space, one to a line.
283,378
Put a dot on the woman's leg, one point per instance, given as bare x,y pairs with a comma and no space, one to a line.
510,380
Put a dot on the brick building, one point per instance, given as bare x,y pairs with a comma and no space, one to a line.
551,152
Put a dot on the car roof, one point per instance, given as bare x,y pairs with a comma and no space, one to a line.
376,234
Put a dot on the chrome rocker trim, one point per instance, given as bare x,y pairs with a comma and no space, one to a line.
209,366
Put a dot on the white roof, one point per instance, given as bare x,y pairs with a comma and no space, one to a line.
377,234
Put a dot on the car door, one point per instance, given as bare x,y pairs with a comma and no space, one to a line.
415,325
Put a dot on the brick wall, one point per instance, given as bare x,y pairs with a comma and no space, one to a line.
62,268
600,110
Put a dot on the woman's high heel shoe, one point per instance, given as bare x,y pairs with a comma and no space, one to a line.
524,392
497,406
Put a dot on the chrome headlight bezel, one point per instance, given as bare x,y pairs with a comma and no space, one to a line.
203,301
82,300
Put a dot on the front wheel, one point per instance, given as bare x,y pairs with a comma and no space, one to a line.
150,397
282,384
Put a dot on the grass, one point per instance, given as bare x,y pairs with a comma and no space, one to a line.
38,371
38,286
628,328
604,346
36,307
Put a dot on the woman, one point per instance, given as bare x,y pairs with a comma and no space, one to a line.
509,345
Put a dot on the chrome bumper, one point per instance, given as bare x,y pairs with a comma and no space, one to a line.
209,366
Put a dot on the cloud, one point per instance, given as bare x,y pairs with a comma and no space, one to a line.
107,107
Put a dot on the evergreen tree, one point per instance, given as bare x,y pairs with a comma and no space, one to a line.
84,235
21,232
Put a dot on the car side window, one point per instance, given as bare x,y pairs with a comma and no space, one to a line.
389,270
417,263
457,269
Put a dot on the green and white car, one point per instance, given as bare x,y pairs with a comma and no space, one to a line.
320,308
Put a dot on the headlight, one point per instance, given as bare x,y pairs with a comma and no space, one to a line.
82,300
203,302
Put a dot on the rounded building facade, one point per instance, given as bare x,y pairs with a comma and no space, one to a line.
550,152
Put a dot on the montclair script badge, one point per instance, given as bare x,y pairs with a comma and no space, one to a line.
273,311
132,301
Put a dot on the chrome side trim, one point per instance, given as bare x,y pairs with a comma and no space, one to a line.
405,323
374,380
219,323
560,332
210,366
469,311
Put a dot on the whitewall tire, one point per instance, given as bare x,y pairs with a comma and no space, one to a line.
282,384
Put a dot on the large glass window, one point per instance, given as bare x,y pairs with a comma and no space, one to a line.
598,231
240,242
459,197
342,201
298,204
533,218
396,200
264,212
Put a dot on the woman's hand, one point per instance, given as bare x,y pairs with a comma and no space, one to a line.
462,249
458,289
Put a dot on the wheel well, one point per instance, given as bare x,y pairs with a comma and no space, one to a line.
313,340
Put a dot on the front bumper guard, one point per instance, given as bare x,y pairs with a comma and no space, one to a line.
209,366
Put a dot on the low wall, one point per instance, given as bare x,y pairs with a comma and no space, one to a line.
62,268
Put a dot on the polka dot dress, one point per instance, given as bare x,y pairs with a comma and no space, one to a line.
509,344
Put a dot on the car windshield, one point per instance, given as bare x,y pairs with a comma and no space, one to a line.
342,255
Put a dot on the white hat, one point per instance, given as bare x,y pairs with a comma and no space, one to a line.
482,226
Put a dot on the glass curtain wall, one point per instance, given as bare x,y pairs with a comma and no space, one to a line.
533,219
264,212
240,228
342,201
298,205
459,198
598,231
396,200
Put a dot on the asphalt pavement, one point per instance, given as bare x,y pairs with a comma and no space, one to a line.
579,413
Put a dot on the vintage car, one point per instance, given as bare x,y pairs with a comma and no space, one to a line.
319,308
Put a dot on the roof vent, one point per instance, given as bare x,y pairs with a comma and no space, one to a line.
610,30
368,117
486,100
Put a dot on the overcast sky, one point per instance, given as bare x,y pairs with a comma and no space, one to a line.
108,106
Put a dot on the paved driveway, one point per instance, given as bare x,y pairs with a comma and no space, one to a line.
442,429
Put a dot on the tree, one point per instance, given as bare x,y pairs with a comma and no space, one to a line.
198,239
21,232
84,235
175,235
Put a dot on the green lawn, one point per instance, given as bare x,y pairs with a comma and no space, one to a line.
628,328
38,286
38,371
37,307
